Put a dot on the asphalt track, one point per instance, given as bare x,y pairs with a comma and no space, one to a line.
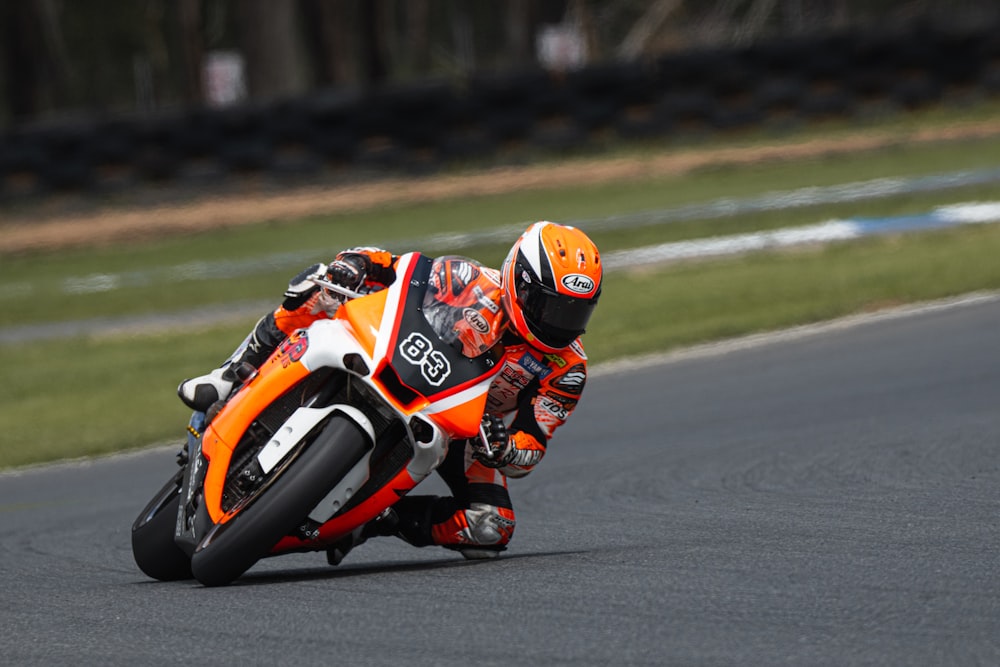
824,498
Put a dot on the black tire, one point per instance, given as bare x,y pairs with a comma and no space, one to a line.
246,538
153,546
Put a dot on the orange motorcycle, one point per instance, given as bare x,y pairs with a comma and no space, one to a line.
343,419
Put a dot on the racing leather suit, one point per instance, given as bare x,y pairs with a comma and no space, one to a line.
534,391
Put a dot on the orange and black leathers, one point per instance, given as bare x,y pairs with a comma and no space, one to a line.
540,391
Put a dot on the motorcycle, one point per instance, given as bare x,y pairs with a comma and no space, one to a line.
342,420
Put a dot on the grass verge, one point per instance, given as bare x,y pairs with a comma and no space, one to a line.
88,396
93,396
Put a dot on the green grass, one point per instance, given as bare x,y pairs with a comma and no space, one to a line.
151,272
91,396
84,396
646,311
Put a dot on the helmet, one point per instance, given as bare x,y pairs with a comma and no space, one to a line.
551,280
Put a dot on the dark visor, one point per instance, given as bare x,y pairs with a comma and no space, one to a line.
556,319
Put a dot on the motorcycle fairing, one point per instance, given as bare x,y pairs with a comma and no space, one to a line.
374,329
418,369
422,360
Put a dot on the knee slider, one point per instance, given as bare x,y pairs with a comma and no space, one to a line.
488,526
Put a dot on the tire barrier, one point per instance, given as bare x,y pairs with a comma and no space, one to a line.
510,116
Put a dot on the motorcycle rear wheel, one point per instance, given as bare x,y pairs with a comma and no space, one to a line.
153,546
231,550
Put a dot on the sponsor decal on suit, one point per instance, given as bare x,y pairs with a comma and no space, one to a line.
534,366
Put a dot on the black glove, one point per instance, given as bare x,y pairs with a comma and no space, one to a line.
493,448
349,270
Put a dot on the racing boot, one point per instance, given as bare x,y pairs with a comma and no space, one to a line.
416,515
409,519
201,392
210,391
383,525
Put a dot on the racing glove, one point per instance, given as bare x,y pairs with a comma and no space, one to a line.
349,270
493,448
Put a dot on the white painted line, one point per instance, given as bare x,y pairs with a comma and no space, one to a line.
723,347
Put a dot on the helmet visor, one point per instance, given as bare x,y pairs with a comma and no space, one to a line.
555,319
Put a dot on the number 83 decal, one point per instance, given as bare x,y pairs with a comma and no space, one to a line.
419,351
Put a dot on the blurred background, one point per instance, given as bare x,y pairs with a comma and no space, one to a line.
167,165
106,94
63,57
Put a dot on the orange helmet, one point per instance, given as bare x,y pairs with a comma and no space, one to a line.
551,280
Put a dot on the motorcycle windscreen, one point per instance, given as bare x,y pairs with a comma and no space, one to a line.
462,305
425,356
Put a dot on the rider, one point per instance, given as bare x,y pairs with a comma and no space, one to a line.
546,291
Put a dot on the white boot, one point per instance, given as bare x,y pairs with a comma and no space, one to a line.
199,393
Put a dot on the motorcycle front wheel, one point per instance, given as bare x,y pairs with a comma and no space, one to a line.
232,548
153,546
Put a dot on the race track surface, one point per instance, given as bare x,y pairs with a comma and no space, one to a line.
830,499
